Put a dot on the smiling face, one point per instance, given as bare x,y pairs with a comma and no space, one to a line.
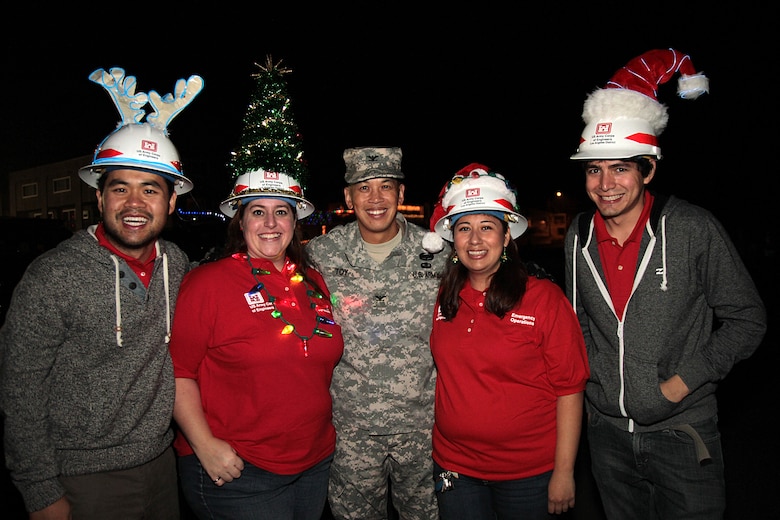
134,206
375,202
617,188
269,227
479,242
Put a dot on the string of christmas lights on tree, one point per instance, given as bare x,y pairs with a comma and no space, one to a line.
270,138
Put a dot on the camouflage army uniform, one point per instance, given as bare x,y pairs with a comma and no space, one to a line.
383,387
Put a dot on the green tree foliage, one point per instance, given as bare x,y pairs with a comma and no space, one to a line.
270,138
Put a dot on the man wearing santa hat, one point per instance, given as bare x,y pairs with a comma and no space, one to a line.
666,306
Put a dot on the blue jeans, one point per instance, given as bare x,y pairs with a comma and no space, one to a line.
657,475
257,494
475,499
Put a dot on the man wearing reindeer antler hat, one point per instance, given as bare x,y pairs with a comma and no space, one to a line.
86,382
665,303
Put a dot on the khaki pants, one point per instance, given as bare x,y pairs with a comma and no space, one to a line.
149,492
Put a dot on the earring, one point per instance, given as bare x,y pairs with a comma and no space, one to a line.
454,258
503,256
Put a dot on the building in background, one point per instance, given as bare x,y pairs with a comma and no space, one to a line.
52,191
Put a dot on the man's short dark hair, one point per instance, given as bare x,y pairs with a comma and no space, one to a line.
101,182
642,162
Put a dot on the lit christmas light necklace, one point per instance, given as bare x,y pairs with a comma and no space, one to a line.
289,270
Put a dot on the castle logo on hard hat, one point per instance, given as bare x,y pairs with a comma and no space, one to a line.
624,119
243,188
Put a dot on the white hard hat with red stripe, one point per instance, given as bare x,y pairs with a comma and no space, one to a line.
262,183
138,146
617,138
475,189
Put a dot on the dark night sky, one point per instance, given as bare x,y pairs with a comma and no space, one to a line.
450,88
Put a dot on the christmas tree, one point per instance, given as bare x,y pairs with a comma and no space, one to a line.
270,139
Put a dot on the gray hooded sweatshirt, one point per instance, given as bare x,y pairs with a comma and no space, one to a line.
693,311
86,379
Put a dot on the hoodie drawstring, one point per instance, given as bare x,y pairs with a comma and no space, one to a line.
574,272
118,303
167,299
663,252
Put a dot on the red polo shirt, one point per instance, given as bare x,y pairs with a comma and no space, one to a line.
620,261
142,269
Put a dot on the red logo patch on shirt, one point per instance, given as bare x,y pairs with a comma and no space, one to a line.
257,303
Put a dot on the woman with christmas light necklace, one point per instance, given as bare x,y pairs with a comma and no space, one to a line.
254,346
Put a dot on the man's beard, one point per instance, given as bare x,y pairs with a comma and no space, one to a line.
130,240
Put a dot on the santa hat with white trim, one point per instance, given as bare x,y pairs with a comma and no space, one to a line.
473,189
624,119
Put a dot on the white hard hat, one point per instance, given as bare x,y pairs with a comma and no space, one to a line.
138,146
476,190
619,138
266,184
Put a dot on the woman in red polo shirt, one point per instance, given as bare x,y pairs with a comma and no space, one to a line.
511,365
254,345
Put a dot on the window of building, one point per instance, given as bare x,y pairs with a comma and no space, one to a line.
61,184
30,190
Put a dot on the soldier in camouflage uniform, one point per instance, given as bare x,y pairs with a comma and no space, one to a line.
384,285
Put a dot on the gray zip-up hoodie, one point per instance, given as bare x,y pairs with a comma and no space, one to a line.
693,311
86,379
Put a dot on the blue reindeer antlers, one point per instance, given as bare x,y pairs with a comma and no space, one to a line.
130,104
168,106
141,140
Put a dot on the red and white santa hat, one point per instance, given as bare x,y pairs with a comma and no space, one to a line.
473,189
625,118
